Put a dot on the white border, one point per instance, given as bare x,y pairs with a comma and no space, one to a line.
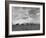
25,32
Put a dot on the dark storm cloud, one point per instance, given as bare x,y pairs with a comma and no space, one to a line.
34,11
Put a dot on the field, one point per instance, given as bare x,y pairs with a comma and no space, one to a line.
24,27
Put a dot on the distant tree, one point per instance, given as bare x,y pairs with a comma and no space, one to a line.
17,24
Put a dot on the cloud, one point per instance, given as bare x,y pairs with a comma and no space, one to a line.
37,13
23,21
25,15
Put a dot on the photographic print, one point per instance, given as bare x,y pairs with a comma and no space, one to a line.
25,19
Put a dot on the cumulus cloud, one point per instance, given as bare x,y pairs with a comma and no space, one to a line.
37,13
22,21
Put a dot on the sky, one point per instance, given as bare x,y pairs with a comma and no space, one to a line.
23,15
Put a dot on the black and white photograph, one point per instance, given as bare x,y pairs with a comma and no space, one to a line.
25,19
